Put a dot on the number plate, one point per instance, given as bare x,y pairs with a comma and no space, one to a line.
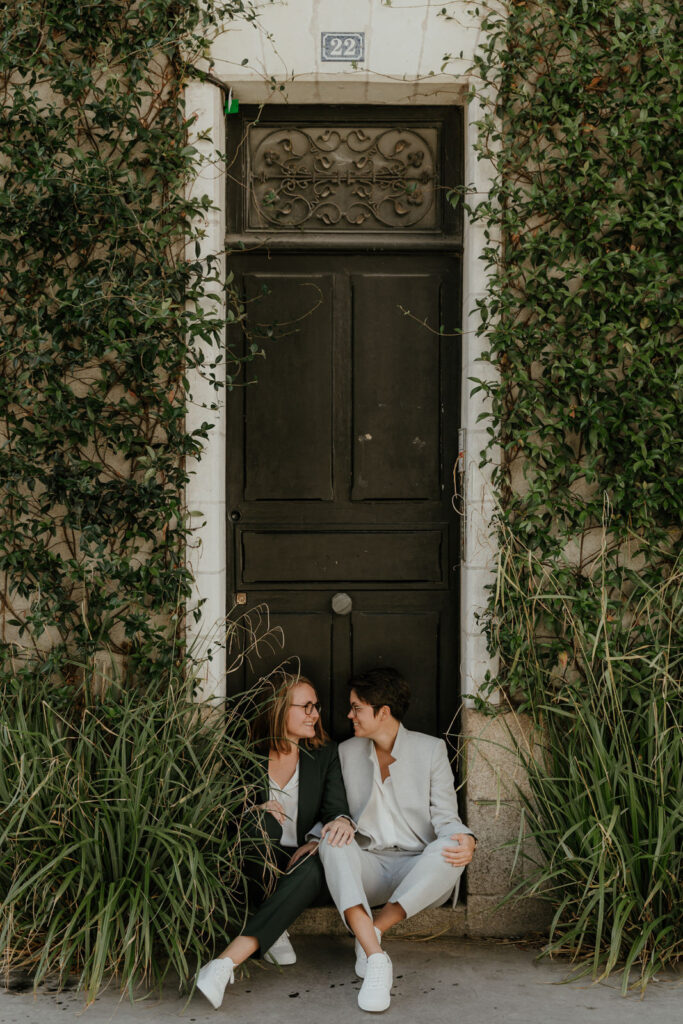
342,46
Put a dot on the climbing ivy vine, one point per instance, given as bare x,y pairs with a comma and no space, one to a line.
102,317
581,315
582,320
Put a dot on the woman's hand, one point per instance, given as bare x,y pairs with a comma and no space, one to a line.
303,851
340,832
461,854
276,809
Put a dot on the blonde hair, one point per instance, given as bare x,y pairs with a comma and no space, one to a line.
269,728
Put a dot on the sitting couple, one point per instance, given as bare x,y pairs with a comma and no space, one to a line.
398,843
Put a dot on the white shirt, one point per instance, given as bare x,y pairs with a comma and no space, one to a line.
288,796
382,825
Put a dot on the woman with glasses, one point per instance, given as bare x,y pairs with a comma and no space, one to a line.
305,787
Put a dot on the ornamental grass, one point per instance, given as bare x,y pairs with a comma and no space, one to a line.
122,838
604,796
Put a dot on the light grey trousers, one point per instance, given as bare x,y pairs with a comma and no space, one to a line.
417,880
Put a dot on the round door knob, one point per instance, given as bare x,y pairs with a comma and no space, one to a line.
342,604
235,516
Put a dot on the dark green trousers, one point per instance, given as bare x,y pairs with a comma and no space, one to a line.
292,894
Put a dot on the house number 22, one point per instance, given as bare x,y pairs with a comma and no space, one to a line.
346,46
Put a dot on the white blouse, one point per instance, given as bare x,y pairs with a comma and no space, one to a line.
382,824
288,796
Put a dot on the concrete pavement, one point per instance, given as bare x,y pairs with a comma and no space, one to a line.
440,981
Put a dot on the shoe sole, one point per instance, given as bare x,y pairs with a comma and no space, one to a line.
215,1005
374,1009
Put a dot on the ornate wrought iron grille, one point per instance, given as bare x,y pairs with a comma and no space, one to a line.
343,177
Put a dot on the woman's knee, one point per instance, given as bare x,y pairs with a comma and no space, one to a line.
436,864
309,874
328,853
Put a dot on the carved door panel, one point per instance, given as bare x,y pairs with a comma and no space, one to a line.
341,451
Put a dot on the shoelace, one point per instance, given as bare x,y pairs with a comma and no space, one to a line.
377,976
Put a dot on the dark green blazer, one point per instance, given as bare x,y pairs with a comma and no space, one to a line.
322,796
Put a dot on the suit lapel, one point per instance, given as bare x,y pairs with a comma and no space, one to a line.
363,779
402,770
308,778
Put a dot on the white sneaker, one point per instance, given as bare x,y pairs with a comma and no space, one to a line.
361,957
375,992
281,952
213,978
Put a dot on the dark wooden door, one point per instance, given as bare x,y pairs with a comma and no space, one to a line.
341,455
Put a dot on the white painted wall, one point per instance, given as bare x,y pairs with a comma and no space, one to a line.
205,493
406,42
405,45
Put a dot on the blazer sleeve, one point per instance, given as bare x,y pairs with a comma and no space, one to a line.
443,801
333,803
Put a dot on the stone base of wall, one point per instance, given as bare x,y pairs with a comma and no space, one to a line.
486,920
428,924
479,919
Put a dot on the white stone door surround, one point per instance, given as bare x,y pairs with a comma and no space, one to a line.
404,52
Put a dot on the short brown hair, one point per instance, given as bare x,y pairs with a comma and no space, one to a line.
383,686
268,730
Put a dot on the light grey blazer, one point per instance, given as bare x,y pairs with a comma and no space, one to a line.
422,781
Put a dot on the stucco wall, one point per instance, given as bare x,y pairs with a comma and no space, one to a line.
404,50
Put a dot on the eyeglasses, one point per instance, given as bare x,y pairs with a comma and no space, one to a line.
308,708
355,708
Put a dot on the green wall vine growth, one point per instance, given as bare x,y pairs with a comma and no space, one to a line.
102,317
581,317
582,309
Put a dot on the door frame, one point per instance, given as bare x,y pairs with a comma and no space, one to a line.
205,491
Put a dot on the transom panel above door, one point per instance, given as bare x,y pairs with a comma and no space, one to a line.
342,439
